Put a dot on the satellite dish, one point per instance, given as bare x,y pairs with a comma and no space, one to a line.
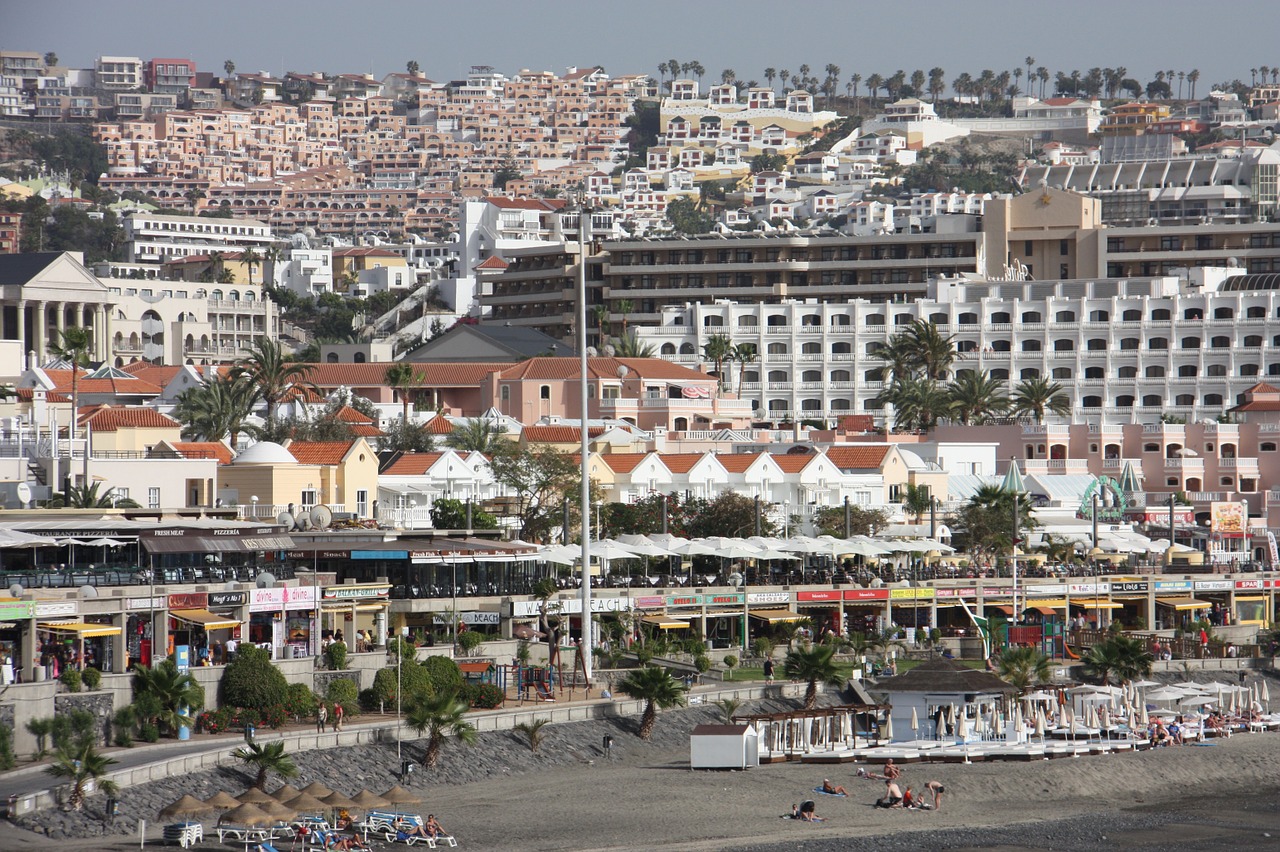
298,514
304,522
321,517
285,520
24,493
16,590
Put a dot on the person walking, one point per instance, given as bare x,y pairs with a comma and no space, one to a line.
338,714
768,669
322,716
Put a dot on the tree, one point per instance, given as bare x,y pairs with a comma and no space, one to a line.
685,218
1024,667
631,346
916,500
50,59
728,514
439,717
265,759
412,67
450,514
918,403
80,763
480,435
812,664
718,349
75,347
657,689
986,520
508,171
1159,89
407,438
89,497
1036,395
400,377
1118,656
176,695
216,409
532,731
976,398
744,354
250,259
770,74
862,521
1193,77
229,67
272,376
252,680
541,481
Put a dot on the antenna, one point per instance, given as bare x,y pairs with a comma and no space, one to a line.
320,517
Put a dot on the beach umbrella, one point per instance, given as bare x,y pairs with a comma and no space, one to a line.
339,801
315,788
962,727
368,801
915,721
285,793
1041,727
888,726
188,805
1143,717
398,795
254,796
1266,694
222,801
304,801
1166,694
995,721
280,811
246,814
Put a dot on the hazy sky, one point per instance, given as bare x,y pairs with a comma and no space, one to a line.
1223,40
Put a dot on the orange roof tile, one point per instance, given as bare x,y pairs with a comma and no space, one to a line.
412,464
438,426
443,374
849,457
27,394
792,462
125,387
347,414
204,450
680,462
493,262
320,452
107,419
737,462
568,368
623,462
366,430
558,434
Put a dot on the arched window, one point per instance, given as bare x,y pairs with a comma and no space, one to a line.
1220,342
968,318
1152,400
1065,316
966,346
1031,346
1213,399
1032,317
1100,316
1029,373
687,349
1151,448
1001,317
842,348
811,320
777,349
1064,345
1094,373
1132,315
1224,313
1127,372
1130,343
1155,372
1216,370
1124,401
840,376
840,319
839,405
811,347
1000,346
811,405
748,320
811,376
876,375
1095,344
332,358
903,319
1190,343
1185,399
779,376
712,322
939,319
1000,374
1256,312
667,349
1061,372
1253,341
1273,369
1160,315
1157,343
1248,369
871,319
1188,371
1091,402
776,320
1193,314
1267,447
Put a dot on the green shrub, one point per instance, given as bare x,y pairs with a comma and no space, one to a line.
92,678
702,663
71,731
469,641
346,693
300,701
123,724
249,717
149,733
483,696
444,674
335,656
413,678
369,700
275,716
7,758
643,654
252,680
71,680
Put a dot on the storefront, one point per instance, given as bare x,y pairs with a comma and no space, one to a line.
139,641
824,607
356,608
15,615
281,620
229,608
1133,595
722,621
1250,604
1178,605
568,611
912,609
78,642
864,610
202,632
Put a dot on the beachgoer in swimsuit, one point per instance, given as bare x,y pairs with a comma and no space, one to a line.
809,811
891,771
892,795
834,790
937,789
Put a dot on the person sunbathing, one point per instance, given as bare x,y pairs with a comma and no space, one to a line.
891,770
870,776
809,811
833,789
433,828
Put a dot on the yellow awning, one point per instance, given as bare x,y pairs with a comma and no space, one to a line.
372,607
1250,598
662,622
1053,603
204,618
775,616
1183,604
84,631
1098,603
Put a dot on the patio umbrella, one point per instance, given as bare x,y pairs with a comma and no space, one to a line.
368,801
1266,694
641,546
694,548
1166,694
962,727
866,549
559,554
398,795
304,801
915,721
888,727
222,801
317,789
1041,724
247,814
339,801
280,811
285,793
188,805
254,796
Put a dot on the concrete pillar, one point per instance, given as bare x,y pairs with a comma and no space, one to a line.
102,346
30,652
119,648
40,329
22,325
60,317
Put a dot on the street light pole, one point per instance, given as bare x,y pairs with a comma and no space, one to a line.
584,653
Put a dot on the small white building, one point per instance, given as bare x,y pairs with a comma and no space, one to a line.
724,747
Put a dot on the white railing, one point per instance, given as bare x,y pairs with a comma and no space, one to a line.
268,512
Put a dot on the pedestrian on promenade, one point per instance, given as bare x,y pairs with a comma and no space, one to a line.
322,716
338,714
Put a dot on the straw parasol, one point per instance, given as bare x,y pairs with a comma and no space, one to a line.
286,793
254,796
366,800
398,795
317,789
337,800
188,805
247,814
304,801
280,811
222,801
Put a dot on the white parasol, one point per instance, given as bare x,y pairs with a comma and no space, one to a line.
915,721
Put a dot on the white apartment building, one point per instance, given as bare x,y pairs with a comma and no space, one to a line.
118,72
308,271
151,238
1124,350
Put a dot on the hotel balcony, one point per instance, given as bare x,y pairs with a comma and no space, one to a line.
1057,466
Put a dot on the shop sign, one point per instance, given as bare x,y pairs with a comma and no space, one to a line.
866,594
768,597
1048,590
223,599
956,593
147,603
1212,585
650,602
832,595
1092,588
911,594
379,554
684,600
188,600
472,618
266,600
1228,520
723,600
317,554
1173,585
350,593
56,608
300,597
13,611
996,591
1249,584
1129,586
529,609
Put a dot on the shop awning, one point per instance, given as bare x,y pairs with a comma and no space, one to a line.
1005,608
84,631
1182,604
777,616
180,544
1042,609
1098,603
204,618
372,607
663,622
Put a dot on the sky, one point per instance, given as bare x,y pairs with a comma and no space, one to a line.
1222,40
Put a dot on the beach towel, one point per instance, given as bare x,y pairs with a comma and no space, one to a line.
825,793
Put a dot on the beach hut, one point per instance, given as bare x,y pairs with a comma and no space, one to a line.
932,688
724,747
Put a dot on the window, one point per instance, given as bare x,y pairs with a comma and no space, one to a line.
1193,314
308,497
1062,372
1160,315
1256,312
1091,402
362,502
1029,373
1190,343
777,349
1224,313
748,320
1065,316
1267,447
153,498
1032,317
1185,399
544,392
1093,373
1156,372
1248,369
1000,374
1031,346
1065,345
1129,343
1152,400
1253,341
968,319
873,319
1132,316
1157,343
1221,343
1124,401
1064,247
1001,317
1216,370
1099,316
1213,399
1128,372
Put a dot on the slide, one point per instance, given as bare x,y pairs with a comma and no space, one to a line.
1068,653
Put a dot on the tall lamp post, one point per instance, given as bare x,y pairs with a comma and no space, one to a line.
584,225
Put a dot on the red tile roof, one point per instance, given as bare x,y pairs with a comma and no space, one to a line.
364,252
541,369
320,452
623,462
493,262
108,419
858,458
526,203
125,387
204,450
347,414
412,464
444,374
438,425
558,434
680,462
27,394
737,462
791,462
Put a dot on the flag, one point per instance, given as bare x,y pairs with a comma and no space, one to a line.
981,624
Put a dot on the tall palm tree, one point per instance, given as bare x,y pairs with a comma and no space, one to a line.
1024,667
217,409
250,259
81,763
75,346
439,717
631,346
874,82
88,497
1029,61
770,74
175,694
400,377
1193,77
479,435
811,664
273,378
1122,657
935,352
718,349
916,500
744,354
976,397
658,690
266,759
625,307
918,403
1037,395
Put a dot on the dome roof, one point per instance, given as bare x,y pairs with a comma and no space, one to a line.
265,452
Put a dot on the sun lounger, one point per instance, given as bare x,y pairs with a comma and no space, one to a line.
242,834
185,834
409,839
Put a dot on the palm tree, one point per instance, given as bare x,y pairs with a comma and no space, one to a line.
266,759
273,378
918,402
631,346
718,348
412,67
744,354
400,377
1193,77
658,690
88,497
626,307
937,82
1024,667
811,664
229,67
874,82
215,410
177,695
976,397
74,346
1036,395
1042,74
916,500
601,315
479,435
250,259
533,732
81,763
934,351
1029,61
770,74
1123,657
438,717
